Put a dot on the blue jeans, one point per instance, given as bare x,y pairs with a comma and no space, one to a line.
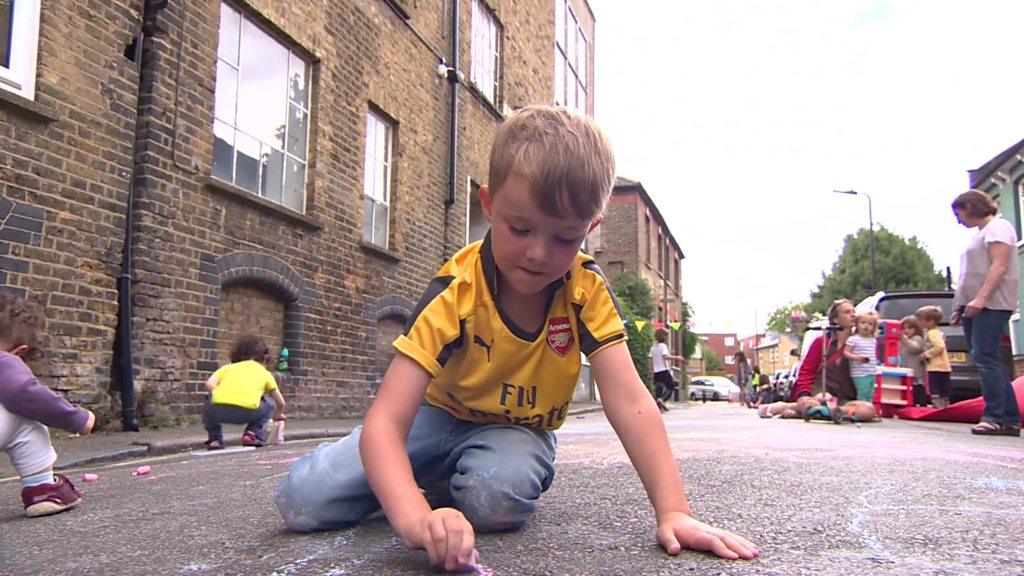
255,419
493,473
984,332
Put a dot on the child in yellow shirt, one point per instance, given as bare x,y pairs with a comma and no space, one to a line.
238,395
935,355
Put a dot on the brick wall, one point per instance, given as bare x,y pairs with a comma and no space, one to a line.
65,161
201,247
248,310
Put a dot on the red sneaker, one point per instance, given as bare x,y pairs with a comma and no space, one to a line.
214,444
250,439
46,499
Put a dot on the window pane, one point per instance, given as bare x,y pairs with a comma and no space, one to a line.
273,174
559,78
380,224
295,185
368,165
380,182
262,93
560,22
298,81
6,26
223,151
247,161
368,218
297,122
230,20
225,93
570,44
581,57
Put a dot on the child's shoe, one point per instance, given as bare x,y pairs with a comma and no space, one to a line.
251,439
46,499
214,444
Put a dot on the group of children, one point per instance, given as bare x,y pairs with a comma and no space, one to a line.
922,349
483,375
238,394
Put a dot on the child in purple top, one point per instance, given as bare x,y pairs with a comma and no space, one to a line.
27,408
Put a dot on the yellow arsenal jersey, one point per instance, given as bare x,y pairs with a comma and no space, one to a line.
485,368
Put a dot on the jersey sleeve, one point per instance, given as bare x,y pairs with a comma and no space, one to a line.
1001,231
434,331
270,383
599,321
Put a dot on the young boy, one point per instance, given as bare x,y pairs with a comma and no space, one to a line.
935,355
237,395
27,408
664,385
494,348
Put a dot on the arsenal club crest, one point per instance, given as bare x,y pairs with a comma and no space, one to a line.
560,335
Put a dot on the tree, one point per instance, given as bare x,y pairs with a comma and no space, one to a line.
900,264
637,303
778,320
712,363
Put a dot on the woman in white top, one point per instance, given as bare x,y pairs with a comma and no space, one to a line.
986,295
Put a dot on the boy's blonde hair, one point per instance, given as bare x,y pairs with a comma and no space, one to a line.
912,323
564,156
930,313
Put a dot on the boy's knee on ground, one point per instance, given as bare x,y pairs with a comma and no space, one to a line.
495,494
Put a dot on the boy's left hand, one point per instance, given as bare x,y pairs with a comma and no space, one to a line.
677,531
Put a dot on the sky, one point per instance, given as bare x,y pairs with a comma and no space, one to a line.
741,116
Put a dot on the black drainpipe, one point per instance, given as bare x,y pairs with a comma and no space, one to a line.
453,78
123,338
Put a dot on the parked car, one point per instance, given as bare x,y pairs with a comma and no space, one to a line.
712,388
965,381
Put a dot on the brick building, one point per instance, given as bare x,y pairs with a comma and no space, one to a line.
295,169
634,238
725,345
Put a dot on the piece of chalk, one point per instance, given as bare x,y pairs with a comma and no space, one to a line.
90,477
141,471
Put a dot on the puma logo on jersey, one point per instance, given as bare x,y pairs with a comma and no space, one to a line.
483,344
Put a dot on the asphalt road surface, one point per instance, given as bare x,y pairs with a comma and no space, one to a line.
892,498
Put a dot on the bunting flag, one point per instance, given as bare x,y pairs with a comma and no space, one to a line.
658,324
675,325
640,324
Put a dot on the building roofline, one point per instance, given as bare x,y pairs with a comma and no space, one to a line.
625,185
982,173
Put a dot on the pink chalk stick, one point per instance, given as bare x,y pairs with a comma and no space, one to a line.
141,471
90,477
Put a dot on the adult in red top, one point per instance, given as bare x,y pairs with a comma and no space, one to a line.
837,369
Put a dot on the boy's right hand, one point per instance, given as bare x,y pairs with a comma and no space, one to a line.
447,537
87,429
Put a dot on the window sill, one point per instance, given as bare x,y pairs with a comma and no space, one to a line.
490,106
233,191
26,108
384,253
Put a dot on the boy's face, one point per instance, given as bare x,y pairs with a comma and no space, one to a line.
531,249
925,323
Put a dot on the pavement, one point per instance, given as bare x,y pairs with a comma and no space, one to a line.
895,498
104,447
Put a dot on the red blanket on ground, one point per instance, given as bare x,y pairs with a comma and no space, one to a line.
967,411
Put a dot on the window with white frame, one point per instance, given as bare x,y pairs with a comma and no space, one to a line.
484,46
730,360
571,51
377,179
19,45
261,113
730,341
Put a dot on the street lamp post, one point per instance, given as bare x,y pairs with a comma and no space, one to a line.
871,233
